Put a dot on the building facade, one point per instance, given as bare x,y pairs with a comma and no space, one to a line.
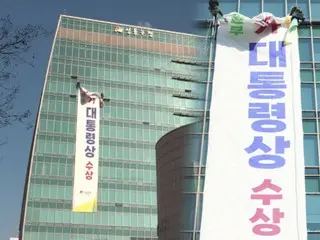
178,174
148,91
309,40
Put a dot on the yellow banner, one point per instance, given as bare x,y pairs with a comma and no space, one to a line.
85,185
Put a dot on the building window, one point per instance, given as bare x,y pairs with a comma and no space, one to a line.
315,14
309,126
318,95
313,236
316,43
307,95
303,4
188,211
305,50
229,6
304,31
313,212
311,150
250,8
276,7
312,184
307,76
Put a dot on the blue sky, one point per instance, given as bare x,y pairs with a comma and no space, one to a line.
173,15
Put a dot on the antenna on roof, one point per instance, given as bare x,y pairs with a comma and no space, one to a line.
144,24
147,24
65,11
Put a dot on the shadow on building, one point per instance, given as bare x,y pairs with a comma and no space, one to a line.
180,181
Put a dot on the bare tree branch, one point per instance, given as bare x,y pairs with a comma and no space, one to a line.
15,43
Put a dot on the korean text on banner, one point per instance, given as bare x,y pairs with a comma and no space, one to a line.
254,185
85,185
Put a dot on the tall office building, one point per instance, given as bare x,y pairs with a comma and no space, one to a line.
309,43
148,91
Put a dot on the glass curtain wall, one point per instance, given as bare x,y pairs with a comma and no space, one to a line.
309,40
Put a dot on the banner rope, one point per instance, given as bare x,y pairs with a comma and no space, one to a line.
213,32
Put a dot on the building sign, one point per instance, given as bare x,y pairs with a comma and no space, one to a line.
85,185
254,185
134,31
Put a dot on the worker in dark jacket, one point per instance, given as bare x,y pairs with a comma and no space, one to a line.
296,13
214,9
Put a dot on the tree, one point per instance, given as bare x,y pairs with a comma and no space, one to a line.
15,43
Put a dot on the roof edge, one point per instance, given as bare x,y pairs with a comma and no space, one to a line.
168,133
102,21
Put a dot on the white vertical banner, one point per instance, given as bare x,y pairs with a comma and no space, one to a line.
254,185
85,185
